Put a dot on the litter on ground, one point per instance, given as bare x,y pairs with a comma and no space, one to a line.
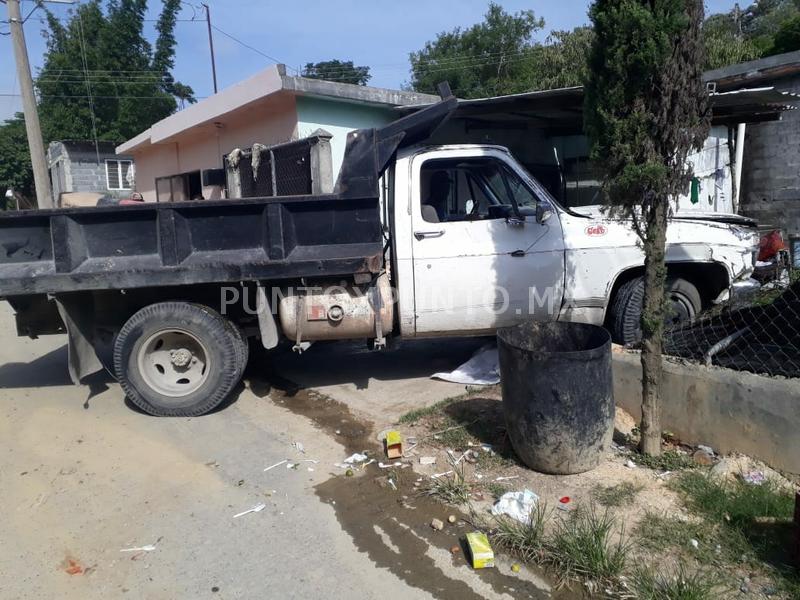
148,548
754,477
277,464
480,550
517,505
427,460
393,444
255,509
482,369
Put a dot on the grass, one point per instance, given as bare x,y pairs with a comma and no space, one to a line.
525,541
751,523
736,502
582,546
656,533
671,460
415,416
681,584
614,496
496,489
449,489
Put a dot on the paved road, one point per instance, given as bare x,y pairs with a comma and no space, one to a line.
84,476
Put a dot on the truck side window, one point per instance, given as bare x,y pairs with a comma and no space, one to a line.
464,189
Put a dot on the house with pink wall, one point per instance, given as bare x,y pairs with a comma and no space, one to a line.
182,157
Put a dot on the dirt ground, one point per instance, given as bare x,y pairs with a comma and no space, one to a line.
101,501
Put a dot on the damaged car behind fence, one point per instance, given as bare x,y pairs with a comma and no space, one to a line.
415,241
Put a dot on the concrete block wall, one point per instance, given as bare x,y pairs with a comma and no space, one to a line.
89,177
771,173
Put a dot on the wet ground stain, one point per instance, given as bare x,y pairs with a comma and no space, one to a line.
392,526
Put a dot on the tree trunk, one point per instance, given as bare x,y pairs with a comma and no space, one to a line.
655,275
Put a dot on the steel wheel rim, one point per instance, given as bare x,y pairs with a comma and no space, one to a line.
680,310
173,362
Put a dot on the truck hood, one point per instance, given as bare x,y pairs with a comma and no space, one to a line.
596,212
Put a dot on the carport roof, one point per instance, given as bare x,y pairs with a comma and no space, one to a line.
562,109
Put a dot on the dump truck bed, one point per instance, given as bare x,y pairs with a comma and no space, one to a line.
158,244
201,242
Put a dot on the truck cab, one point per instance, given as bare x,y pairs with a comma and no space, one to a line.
477,244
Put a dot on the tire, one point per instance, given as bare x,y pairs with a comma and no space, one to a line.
242,346
684,304
175,359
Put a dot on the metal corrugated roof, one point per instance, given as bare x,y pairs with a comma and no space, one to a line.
563,107
768,96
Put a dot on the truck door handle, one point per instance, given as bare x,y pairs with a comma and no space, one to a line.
421,235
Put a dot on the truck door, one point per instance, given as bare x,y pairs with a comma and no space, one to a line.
476,269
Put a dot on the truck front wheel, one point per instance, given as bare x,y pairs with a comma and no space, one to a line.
683,304
175,359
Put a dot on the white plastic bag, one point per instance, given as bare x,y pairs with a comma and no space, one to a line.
517,505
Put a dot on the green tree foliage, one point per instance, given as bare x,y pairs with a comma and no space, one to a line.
486,59
102,53
646,110
787,39
337,70
560,62
15,160
99,62
750,33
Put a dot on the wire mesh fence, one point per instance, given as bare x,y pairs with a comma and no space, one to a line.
281,170
759,333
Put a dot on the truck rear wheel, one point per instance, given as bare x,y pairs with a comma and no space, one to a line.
683,304
176,359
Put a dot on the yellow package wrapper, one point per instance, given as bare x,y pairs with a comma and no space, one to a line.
480,551
394,445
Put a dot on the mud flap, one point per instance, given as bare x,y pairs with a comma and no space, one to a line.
78,319
266,321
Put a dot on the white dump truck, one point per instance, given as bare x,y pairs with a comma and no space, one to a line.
415,241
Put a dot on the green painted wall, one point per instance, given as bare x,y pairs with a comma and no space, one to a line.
338,118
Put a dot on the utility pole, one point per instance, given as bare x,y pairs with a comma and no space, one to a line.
44,197
211,46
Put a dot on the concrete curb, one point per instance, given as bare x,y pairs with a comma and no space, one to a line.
728,410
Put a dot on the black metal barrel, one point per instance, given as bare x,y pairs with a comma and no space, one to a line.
558,394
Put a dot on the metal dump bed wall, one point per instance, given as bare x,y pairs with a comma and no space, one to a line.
119,247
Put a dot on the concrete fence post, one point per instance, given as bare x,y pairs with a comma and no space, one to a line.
321,163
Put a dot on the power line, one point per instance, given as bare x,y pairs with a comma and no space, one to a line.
256,50
96,97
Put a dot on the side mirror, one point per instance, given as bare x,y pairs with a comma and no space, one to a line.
543,212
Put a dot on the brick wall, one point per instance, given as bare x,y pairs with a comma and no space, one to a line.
771,173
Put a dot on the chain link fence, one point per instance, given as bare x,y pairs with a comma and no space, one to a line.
758,332
279,170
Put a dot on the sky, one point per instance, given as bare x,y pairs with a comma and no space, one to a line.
376,33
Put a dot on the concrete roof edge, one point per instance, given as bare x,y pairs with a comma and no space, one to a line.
135,142
349,92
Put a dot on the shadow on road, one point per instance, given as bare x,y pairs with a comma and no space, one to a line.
335,363
46,371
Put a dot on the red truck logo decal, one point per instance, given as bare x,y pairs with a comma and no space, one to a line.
596,230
